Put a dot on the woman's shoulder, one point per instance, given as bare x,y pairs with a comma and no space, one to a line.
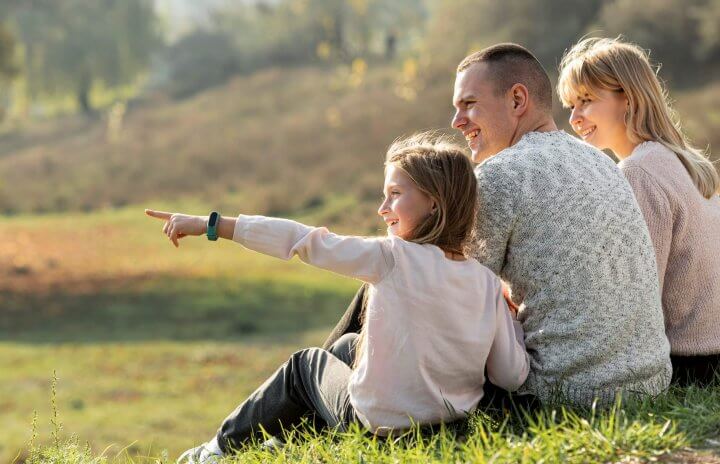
652,157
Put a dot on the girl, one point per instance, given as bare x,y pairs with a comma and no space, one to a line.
435,318
618,103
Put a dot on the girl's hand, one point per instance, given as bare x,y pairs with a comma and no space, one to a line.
506,293
178,225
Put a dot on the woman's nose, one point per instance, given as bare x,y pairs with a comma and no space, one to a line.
575,116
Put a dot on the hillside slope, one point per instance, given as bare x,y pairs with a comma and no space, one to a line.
275,143
281,142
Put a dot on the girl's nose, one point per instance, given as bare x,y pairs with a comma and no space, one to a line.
383,208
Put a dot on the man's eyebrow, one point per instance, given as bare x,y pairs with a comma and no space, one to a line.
464,99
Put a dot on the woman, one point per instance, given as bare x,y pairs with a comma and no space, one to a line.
618,103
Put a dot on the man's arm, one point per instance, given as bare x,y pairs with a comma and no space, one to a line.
496,216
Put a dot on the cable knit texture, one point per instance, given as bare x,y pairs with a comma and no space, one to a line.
685,229
559,223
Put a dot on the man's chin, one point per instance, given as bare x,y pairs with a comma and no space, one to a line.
478,156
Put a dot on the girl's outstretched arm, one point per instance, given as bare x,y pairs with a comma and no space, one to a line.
366,259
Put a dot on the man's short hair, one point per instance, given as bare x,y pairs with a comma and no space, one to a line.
512,64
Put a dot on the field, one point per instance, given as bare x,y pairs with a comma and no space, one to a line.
152,346
148,341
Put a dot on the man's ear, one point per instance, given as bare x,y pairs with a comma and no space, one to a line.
519,98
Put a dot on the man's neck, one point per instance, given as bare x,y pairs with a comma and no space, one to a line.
542,123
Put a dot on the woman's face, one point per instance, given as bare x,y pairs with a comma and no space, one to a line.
600,120
405,206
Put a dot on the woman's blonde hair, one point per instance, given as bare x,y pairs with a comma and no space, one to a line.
441,170
611,64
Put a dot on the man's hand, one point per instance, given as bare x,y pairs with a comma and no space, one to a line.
178,225
506,293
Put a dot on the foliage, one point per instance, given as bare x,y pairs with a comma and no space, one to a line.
292,32
198,61
681,34
547,27
71,45
7,52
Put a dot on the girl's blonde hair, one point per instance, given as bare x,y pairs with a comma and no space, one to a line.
440,169
611,64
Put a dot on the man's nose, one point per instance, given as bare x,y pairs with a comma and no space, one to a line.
458,121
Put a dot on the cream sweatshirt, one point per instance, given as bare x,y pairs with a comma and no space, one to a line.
433,324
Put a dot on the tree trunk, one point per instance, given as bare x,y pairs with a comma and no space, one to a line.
83,95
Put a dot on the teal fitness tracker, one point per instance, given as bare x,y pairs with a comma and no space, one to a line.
213,220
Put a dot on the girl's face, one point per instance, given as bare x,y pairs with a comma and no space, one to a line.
600,120
405,206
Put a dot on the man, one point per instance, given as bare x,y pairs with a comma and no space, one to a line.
559,223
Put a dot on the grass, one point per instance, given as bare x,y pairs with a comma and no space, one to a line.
154,346
150,343
679,426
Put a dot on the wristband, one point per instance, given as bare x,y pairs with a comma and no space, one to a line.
212,224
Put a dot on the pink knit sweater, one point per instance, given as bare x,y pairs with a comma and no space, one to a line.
685,230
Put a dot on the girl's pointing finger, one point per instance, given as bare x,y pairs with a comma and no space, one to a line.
158,214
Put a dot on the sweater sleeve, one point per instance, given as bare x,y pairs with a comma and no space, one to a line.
508,363
366,259
656,210
495,217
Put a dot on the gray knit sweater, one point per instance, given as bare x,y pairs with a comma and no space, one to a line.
559,223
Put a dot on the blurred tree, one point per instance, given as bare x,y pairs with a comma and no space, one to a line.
198,61
288,32
546,27
7,53
71,45
683,35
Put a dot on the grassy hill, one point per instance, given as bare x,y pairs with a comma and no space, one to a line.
278,142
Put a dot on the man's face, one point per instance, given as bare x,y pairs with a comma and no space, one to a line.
484,118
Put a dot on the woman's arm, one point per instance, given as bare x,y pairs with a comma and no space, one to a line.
656,210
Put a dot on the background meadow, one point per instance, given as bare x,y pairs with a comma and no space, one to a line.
280,107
